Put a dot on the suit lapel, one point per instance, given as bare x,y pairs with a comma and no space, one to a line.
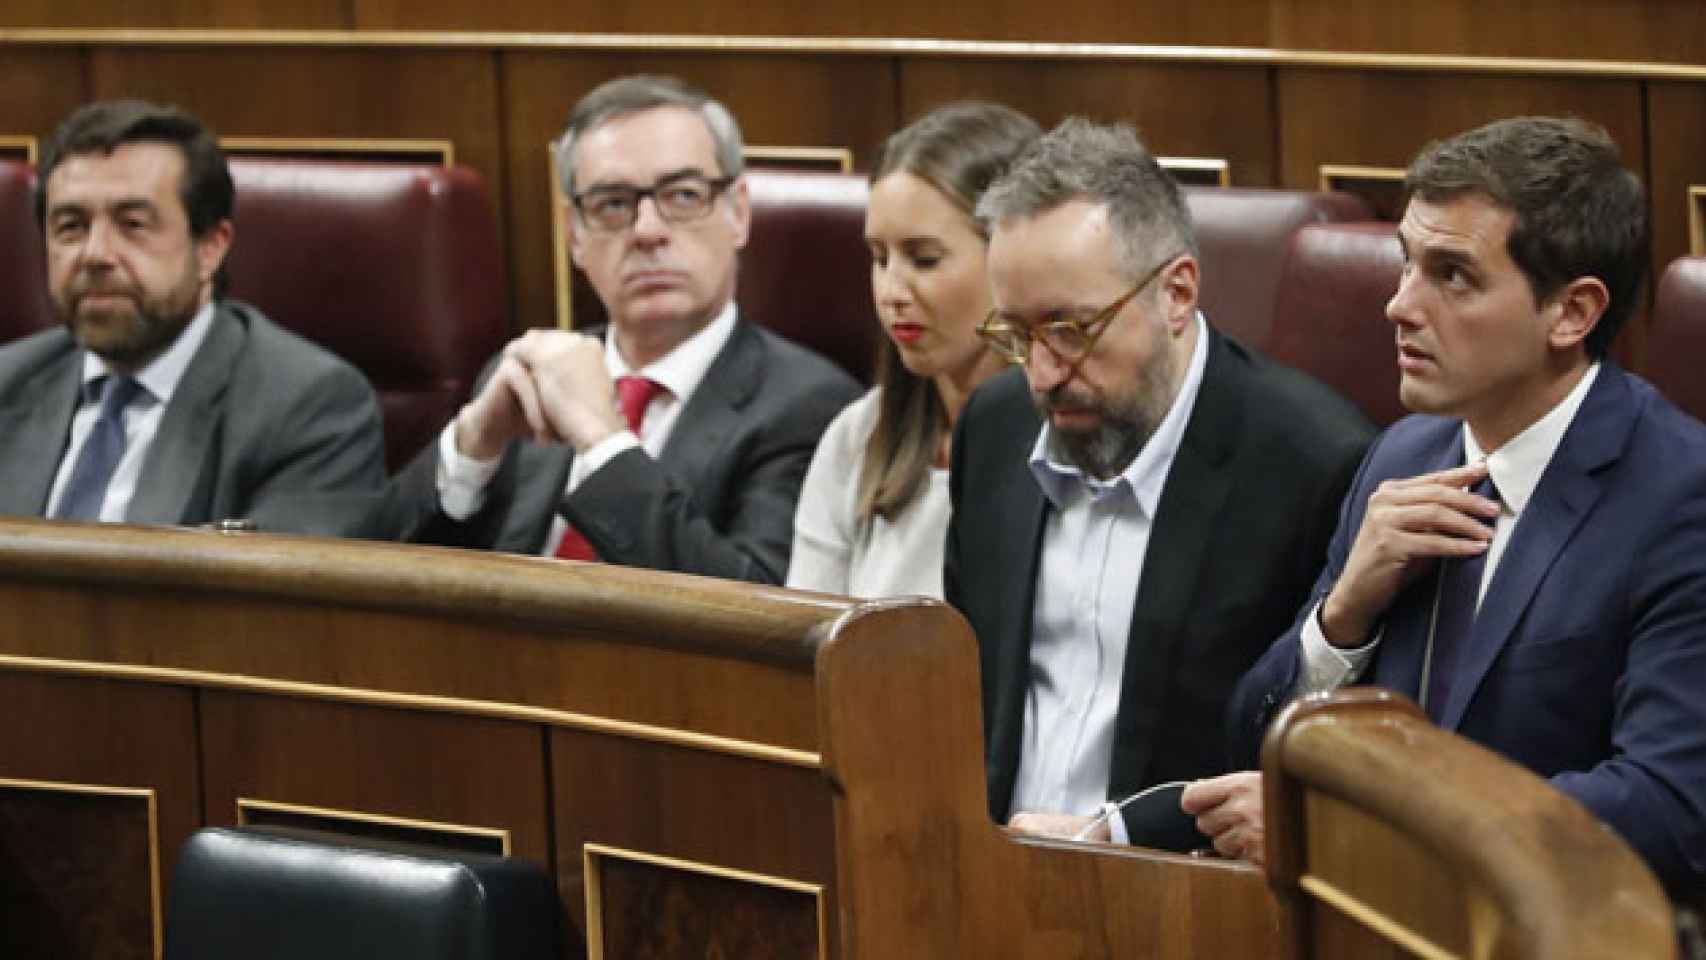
1568,490
35,431
714,409
1016,531
187,439
1174,561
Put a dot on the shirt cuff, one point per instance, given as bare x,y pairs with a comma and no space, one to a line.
461,480
1326,667
598,455
1116,823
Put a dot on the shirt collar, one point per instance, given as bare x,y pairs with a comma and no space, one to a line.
163,373
680,370
1145,476
1517,466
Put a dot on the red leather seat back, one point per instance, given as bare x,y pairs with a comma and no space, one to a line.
394,267
23,268
1243,235
1331,318
1676,345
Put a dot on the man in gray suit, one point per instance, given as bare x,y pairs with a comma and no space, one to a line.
157,401
677,438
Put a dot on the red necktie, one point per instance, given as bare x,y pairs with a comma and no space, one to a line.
633,395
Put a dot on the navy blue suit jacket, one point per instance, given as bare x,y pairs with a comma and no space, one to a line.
1588,659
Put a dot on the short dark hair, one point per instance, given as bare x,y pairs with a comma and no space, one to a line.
628,95
207,192
1579,212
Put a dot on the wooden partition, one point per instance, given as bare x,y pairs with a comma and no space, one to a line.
1389,837
716,769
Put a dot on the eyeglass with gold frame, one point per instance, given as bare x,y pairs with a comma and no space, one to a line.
1069,339
682,198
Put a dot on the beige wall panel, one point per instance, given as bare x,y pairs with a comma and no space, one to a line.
779,100
1212,22
1654,30
1180,109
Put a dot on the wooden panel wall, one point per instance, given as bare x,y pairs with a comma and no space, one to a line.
1649,30
501,100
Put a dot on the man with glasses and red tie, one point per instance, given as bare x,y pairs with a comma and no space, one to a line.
1526,557
1135,508
677,438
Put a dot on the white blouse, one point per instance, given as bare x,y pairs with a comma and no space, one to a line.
834,552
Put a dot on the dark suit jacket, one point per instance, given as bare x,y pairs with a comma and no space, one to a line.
264,426
718,501
1588,657
1242,524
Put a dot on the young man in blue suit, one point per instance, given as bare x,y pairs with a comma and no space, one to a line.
1556,614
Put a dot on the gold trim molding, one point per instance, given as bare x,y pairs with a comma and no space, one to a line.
671,736
1697,220
882,46
1333,174
1381,924
23,142
595,893
1195,170
247,804
151,799
431,150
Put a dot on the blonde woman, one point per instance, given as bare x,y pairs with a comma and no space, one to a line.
874,510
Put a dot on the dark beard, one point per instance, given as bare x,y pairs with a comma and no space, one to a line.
129,337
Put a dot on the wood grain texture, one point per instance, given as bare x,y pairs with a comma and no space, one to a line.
653,912
779,101
368,760
1676,121
1180,110
179,14
1218,22
39,88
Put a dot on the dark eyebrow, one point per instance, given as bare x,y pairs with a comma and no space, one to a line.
666,178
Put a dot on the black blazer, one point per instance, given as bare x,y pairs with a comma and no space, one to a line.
1243,523
718,501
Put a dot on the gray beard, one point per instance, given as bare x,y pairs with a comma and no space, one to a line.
1103,453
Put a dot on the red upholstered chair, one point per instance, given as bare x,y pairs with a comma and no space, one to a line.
1676,346
805,272
23,271
1331,317
1243,235
394,267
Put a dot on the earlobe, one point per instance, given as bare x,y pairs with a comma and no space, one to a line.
1182,280
212,246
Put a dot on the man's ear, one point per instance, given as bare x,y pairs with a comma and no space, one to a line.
572,233
1179,285
740,210
211,248
1576,310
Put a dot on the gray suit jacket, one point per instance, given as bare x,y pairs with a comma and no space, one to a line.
718,501
263,426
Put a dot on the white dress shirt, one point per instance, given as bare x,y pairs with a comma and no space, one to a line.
1095,541
1516,469
159,380
462,480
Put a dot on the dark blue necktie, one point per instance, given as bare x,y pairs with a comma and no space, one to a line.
102,449
1454,619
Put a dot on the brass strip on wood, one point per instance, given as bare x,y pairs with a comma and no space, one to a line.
1697,220
442,152
20,144
632,730
1215,167
595,893
151,799
246,804
1375,920
836,159
1332,174
881,46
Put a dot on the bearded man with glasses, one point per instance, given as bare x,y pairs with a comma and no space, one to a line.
1135,508
677,437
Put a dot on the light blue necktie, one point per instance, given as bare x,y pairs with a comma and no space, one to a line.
102,449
